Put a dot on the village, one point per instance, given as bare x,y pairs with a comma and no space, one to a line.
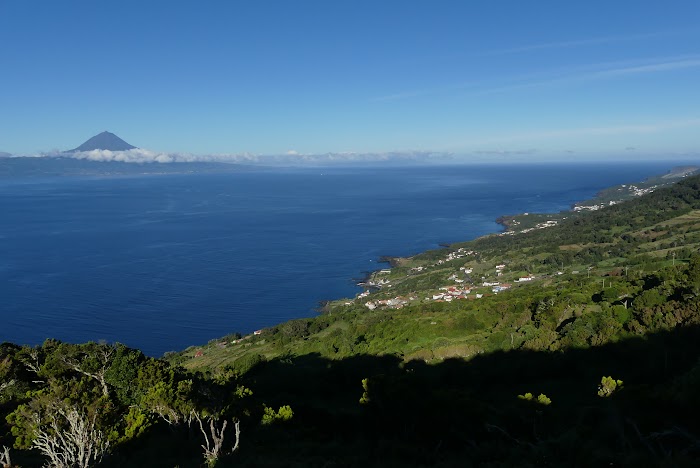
464,288
542,225
631,190
594,207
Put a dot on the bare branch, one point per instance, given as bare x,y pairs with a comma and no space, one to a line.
5,385
105,355
237,427
167,414
5,461
214,438
69,438
33,363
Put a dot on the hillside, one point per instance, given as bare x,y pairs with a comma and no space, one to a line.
576,344
607,197
607,293
463,300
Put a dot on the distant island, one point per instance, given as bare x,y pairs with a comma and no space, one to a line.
68,164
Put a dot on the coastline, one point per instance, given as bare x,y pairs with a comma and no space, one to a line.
397,286
525,222
382,279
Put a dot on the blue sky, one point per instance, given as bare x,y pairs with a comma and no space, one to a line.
552,78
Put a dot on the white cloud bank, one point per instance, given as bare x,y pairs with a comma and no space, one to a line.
139,155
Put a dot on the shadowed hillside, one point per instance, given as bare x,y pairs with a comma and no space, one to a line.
459,413
517,408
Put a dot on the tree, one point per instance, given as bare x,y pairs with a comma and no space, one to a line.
365,398
92,362
164,392
5,458
67,436
169,402
285,413
608,386
610,294
31,359
214,437
541,399
7,384
122,373
648,298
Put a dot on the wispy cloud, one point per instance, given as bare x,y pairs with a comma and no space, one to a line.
506,152
583,73
668,65
564,44
594,72
580,43
423,92
610,130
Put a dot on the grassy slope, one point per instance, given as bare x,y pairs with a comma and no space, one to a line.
616,246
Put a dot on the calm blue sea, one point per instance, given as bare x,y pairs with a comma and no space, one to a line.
165,262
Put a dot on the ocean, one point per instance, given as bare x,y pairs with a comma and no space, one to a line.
163,262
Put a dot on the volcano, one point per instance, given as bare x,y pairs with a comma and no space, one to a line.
103,141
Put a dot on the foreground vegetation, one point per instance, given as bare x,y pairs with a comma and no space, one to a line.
594,359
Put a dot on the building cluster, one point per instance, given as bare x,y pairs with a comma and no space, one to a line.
631,189
446,293
594,207
638,192
377,283
397,302
543,225
380,283
459,253
456,278
449,293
